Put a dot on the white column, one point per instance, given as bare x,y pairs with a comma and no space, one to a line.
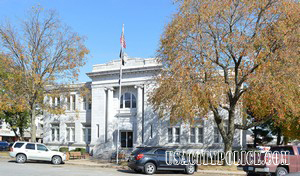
71,102
77,130
109,119
139,111
77,104
55,102
66,102
62,132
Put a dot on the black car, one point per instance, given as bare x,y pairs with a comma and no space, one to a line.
4,146
151,159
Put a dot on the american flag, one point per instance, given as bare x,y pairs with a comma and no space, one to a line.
123,46
122,39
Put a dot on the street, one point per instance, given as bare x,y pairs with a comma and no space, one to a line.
8,167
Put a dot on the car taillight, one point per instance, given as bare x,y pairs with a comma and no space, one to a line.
139,156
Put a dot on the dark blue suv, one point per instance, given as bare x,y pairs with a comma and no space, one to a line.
4,146
151,159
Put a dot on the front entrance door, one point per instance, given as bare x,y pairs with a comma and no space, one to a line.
126,139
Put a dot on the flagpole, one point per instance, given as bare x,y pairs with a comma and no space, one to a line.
120,92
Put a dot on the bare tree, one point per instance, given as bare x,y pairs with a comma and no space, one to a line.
45,52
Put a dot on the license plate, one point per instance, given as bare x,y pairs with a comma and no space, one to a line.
250,168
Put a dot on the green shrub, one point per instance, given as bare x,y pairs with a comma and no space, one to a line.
81,150
64,149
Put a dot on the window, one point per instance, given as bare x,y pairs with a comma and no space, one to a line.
283,149
55,132
90,105
18,145
160,152
298,150
70,130
89,134
170,135
128,102
30,146
141,151
126,139
86,134
68,103
177,135
216,135
200,134
41,147
74,102
58,102
192,135
53,101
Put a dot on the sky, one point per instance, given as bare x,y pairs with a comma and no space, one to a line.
100,21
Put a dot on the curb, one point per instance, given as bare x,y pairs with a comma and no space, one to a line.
127,168
98,165
221,172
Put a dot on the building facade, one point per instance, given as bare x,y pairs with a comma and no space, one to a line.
95,124
7,134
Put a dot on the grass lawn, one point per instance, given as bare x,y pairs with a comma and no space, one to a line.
4,153
219,168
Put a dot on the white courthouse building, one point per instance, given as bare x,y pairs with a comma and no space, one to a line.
94,124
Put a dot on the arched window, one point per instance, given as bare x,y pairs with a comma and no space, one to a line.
128,102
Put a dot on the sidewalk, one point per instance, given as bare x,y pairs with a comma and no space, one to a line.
94,163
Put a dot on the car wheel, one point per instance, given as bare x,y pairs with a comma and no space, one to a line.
56,160
21,158
149,168
190,169
280,171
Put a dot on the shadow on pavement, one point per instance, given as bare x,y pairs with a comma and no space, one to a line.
34,162
158,172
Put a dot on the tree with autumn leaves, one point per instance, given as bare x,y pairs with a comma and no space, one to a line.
39,52
220,56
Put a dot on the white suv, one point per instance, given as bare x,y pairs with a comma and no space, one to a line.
35,151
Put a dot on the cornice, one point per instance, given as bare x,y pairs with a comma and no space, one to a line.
124,71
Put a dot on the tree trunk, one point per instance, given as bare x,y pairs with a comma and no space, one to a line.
14,130
33,126
16,134
228,148
229,135
285,140
255,137
279,137
21,130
